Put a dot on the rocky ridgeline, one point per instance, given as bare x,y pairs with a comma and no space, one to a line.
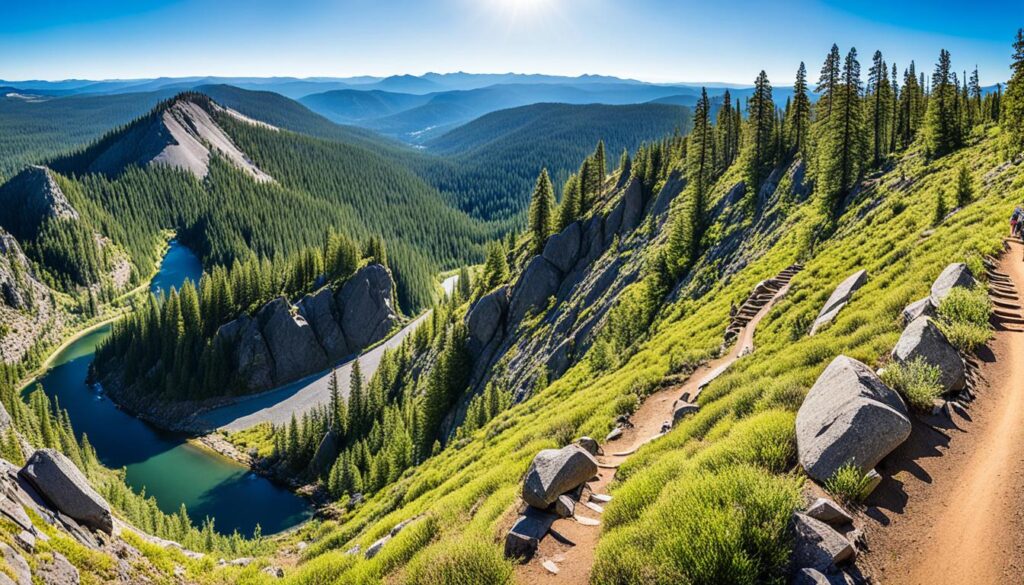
282,343
554,484
583,272
850,417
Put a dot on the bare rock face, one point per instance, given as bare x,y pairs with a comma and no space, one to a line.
64,486
953,276
485,319
922,339
18,565
848,416
633,206
58,570
366,305
291,341
840,297
539,281
554,472
563,248
252,360
319,311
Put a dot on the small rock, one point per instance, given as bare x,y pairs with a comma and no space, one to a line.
818,545
602,498
550,566
273,571
595,507
376,547
587,521
923,307
18,565
614,435
828,512
872,479
241,562
565,506
590,445
26,540
524,537
808,576
353,551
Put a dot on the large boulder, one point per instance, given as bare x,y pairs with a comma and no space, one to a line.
253,361
291,341
484,319
57,479
956,275
319,311
848,416
367,307
840,297
539,281
922,339
554,472
563,248
818,546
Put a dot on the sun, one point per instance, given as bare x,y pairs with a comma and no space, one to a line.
521,8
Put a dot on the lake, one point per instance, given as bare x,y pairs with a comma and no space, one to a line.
165,464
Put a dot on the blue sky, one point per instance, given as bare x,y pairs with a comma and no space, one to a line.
653,40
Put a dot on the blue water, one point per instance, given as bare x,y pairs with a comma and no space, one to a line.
169,468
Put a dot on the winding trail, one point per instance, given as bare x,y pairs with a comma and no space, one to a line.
277,406
571,542
950,509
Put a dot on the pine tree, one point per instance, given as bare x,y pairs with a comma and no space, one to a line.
842,147
760,148
800,113
356,401
943,127
940,207
1012,100
880,97
828,81
599,160
541,212
964,186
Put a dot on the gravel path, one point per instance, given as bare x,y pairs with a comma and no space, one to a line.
278,406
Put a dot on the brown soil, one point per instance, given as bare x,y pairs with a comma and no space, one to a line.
949,509
569,544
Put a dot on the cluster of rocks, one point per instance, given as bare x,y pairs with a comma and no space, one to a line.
282,343
839,299
825,542
554,484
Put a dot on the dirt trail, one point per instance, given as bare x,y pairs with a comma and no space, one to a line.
570,544
950,508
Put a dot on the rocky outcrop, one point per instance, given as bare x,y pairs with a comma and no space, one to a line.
923,340
538,282
284,343
554,472
64,486
320,311
919,308
29,199
367,308
291,341
182,134
839,298
953,276
562,249
848,417
485,319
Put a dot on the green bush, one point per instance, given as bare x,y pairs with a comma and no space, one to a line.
848,484
966,337
966,306
463,561
725,527
916,380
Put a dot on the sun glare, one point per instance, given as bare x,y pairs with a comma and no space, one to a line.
521,8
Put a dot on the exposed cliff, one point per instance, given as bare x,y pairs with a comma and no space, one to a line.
28,313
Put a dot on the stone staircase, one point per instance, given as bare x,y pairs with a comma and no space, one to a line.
761,296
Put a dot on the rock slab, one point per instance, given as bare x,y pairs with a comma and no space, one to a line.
63,485
840,297
818,546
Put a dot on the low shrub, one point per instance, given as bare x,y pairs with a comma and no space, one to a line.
964,318
848,484
916,380
466,560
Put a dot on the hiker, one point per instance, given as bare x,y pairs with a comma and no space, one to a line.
1015,220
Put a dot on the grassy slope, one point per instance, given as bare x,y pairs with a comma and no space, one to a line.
724,478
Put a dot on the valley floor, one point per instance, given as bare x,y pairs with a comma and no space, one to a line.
949,510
